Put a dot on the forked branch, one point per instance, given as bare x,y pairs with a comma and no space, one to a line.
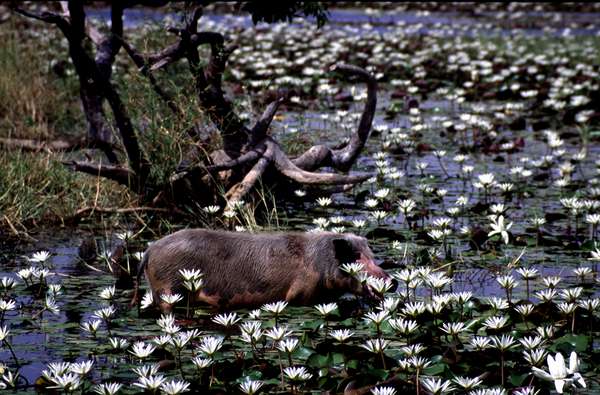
342,159
119,174
285,166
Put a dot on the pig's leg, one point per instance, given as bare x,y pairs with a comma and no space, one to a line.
303,287
300,291
164,307
212,300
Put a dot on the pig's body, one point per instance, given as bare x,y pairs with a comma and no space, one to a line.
247,270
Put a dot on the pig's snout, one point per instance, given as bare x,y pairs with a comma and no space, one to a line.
371,268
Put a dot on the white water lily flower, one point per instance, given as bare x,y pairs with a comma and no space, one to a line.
467,383
202,363
377,317
324,201
383,391
485,180
39,257
211,209
10,379
147,300
190,274
403,326
498,227
67,382
326,308
118,343
275,308
527,391
560,374
295,373
595,256
7,283
91,326
251,336
175,387
382,193
341,335
7,305
171,298
375,346
210,345
108,293
226,320
278,333
251,387
25,274
288,345
180,340
359,223
437,386
379,285
107,388
81,368
142,350
150,383
54,289
146,370
353,268
105,313
162,340
51,305
4,331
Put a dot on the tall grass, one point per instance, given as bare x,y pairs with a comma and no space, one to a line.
35,101
37,186
39,99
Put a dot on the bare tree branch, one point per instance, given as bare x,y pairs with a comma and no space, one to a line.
239,190
142,65
241,160
87,67
259,131
343,159
72,24
110,45
118,210
119,174
285,166
177,51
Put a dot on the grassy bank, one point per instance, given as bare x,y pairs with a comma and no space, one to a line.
37,186
39,100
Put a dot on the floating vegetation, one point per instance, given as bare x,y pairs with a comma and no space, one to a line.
483,207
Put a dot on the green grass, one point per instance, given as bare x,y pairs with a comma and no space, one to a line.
37,186
35,102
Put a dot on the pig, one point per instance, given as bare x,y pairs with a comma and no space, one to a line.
248,270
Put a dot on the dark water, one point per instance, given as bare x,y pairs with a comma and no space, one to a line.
59,337
530,23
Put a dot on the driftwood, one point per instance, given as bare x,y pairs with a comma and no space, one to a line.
248,152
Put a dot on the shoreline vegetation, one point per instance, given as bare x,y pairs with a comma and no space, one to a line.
472,131
40,102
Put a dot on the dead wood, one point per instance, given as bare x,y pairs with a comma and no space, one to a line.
248,153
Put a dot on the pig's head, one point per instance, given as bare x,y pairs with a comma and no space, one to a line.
351,248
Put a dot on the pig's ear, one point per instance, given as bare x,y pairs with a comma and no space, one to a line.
345,251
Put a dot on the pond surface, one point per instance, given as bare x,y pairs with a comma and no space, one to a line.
556,250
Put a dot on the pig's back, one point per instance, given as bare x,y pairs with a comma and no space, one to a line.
233,263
